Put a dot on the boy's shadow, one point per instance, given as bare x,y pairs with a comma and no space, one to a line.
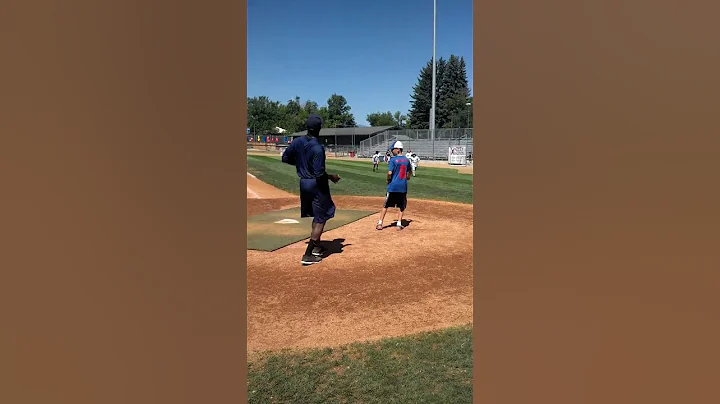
333,247
405,223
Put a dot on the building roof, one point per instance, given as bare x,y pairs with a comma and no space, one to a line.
348,131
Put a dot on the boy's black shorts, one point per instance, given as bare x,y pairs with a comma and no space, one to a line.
396,200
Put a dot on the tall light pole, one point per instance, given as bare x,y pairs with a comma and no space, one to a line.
467,104
434,73
432,108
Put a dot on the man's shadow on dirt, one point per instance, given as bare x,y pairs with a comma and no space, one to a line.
405,223
333,247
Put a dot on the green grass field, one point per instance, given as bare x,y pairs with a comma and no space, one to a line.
431,367
440,184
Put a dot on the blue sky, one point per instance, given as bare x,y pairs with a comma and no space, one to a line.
369,51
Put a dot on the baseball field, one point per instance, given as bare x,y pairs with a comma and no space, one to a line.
386,316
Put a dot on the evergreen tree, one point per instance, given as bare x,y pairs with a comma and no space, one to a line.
419,115
451,95
452,108
442,70
464,96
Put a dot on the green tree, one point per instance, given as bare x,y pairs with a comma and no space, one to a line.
454,94
451,95
400,119
381,119
419,115
263,115
293,116
338,113
310,107
325,115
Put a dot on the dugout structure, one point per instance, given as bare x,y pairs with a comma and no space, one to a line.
345,138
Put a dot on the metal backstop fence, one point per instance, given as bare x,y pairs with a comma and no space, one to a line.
420,141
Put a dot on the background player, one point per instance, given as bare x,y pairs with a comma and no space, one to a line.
414,160
376,161
308,156
398,176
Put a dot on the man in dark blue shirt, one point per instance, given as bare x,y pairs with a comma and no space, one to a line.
399,172
308,156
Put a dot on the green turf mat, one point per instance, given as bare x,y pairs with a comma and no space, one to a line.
265,234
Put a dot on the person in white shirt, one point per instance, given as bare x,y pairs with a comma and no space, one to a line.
376,161
414,160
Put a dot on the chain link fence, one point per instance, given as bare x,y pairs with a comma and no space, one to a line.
420,142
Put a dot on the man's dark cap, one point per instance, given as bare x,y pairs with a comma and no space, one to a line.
314,123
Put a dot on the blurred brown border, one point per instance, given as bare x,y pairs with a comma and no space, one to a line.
123,213
596,200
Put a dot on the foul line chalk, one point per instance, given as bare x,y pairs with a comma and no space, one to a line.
253,193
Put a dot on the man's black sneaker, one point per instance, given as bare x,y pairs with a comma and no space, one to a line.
310,259
319,251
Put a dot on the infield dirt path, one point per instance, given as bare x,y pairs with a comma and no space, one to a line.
257,189
375,284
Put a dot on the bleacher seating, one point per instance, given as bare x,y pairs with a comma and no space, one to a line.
423,148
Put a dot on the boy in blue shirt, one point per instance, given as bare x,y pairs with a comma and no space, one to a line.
399,172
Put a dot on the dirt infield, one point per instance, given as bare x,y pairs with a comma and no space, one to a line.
257,189
374,284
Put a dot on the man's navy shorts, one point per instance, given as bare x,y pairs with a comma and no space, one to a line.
315,201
